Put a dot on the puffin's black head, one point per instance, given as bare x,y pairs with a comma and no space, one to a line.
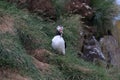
59,30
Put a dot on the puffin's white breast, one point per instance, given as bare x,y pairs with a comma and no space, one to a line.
58,43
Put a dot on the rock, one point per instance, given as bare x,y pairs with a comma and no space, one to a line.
91,49
111,50
80,7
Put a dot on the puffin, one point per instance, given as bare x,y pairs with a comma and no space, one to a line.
58,42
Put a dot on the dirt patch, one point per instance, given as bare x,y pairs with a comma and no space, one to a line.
40,54
44,67
11,75
20,3
43,7
6,25
17,1
83,69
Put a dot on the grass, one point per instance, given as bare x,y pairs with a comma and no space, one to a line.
60,9
13,56
114,73
104,13
34,32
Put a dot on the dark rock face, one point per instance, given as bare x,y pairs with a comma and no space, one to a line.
83,8
111,50
91,49
80,7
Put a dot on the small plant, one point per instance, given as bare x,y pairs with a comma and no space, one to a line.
60,7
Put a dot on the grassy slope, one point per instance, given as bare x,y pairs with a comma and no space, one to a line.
32,27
